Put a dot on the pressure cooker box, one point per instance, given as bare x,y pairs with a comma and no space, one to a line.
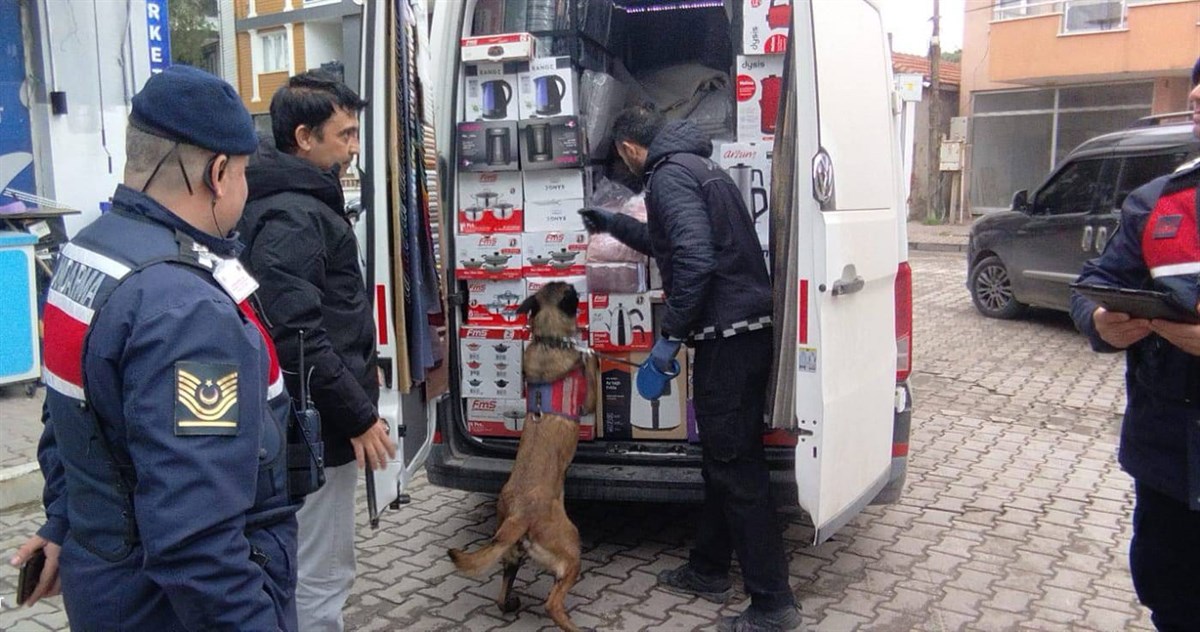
765,26
556,253
553,199
551,143
495,303
758,86
491,361
493,417
488,146
548,86
492,256
490,202
490,92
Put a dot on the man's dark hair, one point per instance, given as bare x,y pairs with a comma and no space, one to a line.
309,98
639,124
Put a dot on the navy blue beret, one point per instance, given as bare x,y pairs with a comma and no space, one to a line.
188,105
1196,73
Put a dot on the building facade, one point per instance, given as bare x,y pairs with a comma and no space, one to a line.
277,39
1039,77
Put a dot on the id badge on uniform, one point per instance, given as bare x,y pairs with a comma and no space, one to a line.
234,279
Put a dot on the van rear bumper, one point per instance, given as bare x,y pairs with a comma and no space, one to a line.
586,481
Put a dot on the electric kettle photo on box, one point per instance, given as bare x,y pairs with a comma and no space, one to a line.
779,14
496,96
548,94
768,105
499,146
539,142
746,178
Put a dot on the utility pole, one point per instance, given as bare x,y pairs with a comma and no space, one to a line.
933,187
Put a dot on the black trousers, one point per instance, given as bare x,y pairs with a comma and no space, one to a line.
1164,559
730,381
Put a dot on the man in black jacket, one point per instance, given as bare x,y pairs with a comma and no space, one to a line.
718,297
301,247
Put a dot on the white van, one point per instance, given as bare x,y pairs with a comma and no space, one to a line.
841,269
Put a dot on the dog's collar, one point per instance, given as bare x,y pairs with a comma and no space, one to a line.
563,397
560,342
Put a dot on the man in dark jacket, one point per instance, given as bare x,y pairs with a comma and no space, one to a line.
302,249
718,296
1158,247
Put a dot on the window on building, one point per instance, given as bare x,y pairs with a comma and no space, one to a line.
276,54
1082,16
1009,9
1018,136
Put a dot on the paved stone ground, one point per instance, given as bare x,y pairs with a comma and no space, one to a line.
1015,517
20,425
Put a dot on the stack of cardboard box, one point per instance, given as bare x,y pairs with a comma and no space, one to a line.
521,158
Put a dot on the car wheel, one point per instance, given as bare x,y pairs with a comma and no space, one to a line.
991,290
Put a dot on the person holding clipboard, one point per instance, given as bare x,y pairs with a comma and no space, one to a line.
1152,265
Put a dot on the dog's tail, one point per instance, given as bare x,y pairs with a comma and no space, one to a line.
476,562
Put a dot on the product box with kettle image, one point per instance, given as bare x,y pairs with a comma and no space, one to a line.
495,303
624,414
490,91
490,202
494,256
553,199
749,164
758,86
556,253
551,143
488,146
620,322
491,361
533,284
765,26
547,87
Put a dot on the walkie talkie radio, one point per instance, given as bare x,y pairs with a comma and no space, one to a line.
306,450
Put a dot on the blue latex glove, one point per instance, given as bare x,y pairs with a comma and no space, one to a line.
658,369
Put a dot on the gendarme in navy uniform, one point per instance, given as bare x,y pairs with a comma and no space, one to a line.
1158,247
165,449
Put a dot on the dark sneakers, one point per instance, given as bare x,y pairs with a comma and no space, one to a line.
687,581
783,619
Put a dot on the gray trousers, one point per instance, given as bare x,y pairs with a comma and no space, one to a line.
326,552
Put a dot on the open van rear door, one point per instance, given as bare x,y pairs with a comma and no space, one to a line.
410,418
842,256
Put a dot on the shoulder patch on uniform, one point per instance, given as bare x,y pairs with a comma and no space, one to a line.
206,399
1167,226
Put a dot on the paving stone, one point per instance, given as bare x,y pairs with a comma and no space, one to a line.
1015,517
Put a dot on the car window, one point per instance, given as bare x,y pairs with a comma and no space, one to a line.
1073,190
1138,170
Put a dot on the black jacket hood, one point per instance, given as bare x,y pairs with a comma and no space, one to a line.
677,137
271,171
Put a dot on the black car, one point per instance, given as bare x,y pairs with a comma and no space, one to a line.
1028,255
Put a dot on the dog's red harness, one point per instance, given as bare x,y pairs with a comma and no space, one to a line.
564,397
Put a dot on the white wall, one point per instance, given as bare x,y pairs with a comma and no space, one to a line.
82,152
322,43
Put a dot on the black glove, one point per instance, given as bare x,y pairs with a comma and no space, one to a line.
597,220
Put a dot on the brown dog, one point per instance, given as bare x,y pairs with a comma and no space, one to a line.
531,518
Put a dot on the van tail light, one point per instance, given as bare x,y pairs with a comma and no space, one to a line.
437,437
904,321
